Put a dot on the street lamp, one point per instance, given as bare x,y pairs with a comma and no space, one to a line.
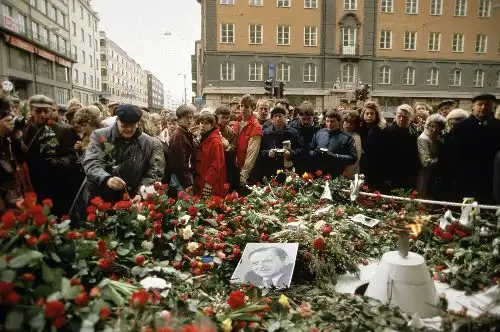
185,89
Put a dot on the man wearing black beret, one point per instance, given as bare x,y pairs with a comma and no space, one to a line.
127,166
474,142
445,107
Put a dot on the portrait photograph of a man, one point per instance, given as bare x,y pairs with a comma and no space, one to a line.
267,265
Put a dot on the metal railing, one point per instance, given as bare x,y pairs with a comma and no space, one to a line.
349,50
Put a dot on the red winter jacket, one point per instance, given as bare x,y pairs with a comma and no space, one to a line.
210,164
251,129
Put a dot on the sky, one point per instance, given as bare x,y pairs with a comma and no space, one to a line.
139,27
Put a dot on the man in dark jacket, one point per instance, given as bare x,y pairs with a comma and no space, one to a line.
475,142
401,151
332,148
120,159
50,154
276,155
306,127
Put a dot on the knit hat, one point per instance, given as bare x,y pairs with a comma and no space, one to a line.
278,110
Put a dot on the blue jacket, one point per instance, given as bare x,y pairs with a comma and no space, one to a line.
341,151
273,139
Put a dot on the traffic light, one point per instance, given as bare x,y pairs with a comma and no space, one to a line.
268,86
282,90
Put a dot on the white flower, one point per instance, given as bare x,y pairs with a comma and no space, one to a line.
188,233
319,225
153,283
192,246
147,245
165,315
140,217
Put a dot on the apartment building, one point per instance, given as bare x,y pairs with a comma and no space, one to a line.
84,29
156,98
35,52
407,50
122,79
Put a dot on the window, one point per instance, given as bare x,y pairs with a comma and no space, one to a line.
384,75
460,7
434,41
33,3
52,12
75,75
73,25
348,73
34,30
61,19
310,36
91,81
458,42
283,35
387,6
385,39
255,71
227,2
227,71
90,21
84,79
6,10
410,41
283,74
478,81
310,4
255,32
350,4
309,72
90,41
43,68
411,6
283,3
43,6
21,20
97,63
44,35
81,12
95,44
95,25
409,76
74,6
227,33
83,56
91,61
456,77
256,3
484,8
75,52
436,7
432,76
83,35
481,43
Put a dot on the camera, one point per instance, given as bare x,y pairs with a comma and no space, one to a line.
19,121
279,152
322,150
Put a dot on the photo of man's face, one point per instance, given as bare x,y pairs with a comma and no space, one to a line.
266,263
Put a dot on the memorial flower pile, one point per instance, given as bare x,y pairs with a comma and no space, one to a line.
165,264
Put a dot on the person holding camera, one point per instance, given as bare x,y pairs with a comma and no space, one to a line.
280,145
331,148
14,176
50,154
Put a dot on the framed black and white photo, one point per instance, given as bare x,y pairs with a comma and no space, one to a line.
266,265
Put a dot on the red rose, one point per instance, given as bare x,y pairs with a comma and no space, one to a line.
171,201
22,218
104,263
319,243
264,237
139,260
157,227
91,209
12,297
91,217
139,299
74,235
326,230
47,202
40,220
31,240
446,236
192,211
90,235
102,139
82,299
45,237
101,244
36,209
460,233
123,205
96,201
104,206
104,313
236,299
8,220
29,200
54,309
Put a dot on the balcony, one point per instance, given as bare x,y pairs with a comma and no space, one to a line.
349,51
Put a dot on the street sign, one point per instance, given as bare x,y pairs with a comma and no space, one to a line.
7,86
198,101
272,69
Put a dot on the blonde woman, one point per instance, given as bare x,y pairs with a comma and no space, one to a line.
85,121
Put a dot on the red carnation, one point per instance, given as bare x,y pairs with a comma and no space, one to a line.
45,237
31,240
104,263
8,220
236,299
139,260
54,309
157,227
40,220
192,211
123,205
319,243
104,206
102,139
82,299
96,201
104,313
139,299
74,235
48,202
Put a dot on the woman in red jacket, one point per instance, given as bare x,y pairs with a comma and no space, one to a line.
210,163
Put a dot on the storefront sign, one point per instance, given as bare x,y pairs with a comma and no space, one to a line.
10,23
46,55
21,44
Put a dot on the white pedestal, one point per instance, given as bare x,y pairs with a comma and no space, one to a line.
405,282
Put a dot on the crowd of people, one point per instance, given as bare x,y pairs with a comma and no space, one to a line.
73,153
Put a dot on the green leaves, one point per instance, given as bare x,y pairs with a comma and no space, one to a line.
27,257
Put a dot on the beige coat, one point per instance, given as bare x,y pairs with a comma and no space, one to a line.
353,169
428,150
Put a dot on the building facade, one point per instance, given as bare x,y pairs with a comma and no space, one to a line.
84,29
406,50
122,79
35,53
156,99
